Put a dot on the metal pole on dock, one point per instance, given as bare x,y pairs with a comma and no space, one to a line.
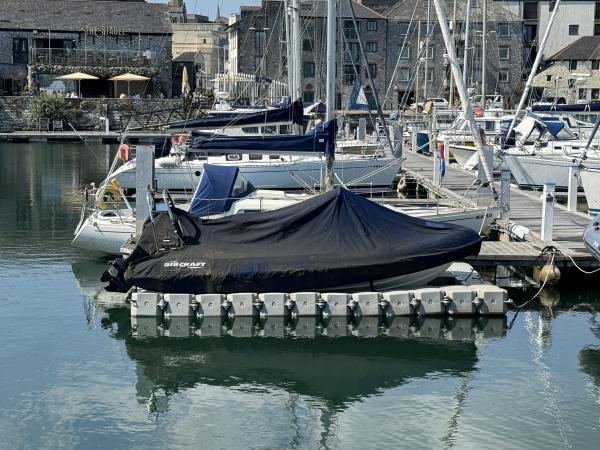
460,84
144,182
572,187
437,165
548,211
505,194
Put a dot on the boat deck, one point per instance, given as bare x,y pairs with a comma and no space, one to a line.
525,210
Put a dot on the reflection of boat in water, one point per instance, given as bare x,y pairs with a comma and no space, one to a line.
361,367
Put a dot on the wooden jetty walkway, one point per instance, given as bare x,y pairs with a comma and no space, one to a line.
525,211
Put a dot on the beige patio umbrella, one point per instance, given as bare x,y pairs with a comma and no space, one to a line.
129,77
185,82
78,76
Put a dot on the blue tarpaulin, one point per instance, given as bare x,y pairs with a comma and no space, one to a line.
217,190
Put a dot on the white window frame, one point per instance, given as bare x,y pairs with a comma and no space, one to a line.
507,53
402,71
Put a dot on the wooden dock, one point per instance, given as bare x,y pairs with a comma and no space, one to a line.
525,211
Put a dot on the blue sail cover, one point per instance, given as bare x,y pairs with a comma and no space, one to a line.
292,113
357,99
553,126
217,190
320,139
572,107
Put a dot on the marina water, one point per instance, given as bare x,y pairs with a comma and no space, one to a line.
75,376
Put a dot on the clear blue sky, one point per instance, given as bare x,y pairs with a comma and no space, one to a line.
209,7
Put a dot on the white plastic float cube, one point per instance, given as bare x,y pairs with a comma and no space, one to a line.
178,326
145,327
399,326
336,304
305,304
461,300
366,303
145,304
491,299
399,303
242,304
210,305
210,326
178,305
274,304
460,328
429,302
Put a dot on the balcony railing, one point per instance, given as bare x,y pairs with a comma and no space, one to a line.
71,56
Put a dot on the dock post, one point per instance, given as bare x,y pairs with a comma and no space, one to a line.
398,149
572,187
505,194
548,211
144,182
362,129
437,173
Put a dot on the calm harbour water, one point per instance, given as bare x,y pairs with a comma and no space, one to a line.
74,376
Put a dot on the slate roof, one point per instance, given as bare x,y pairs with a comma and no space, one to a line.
403,10
361,11
185,57
76,15
584,48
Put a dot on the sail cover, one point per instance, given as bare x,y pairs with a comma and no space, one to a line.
219,187
334,239
292,113
320,139
569,107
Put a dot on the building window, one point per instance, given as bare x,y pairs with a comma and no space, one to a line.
595,64
573,30
429,54
371,47
551,5
349,75
548,77
573,64
306,45
405,53
371,25
530,10
595,94
597,10
349,30
503,76
308,97
597,29
20,51
582,94
503,30
308,69
430,75
373,69
403,74
403,28
503,52
352,54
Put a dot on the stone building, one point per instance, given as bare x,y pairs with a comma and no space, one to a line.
573,73
43,39
426,73
257,46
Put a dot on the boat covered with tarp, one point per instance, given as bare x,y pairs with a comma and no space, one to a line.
335,240
291,113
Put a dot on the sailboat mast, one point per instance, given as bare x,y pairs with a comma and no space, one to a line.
427,50
460,84
534,68
466,48
288,49
296,52
451,83
330,101
483,51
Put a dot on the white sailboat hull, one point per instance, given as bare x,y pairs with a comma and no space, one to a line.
533,171
102,236
373,173
590,179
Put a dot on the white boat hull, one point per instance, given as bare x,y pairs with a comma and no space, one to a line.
533,171
590,179
102,236
377,173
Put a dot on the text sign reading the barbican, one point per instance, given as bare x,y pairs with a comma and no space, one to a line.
105,31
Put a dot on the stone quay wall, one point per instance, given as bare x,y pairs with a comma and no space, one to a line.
85,114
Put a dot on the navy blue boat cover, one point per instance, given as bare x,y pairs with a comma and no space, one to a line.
320,139
292,113
569,107
334,239
219,187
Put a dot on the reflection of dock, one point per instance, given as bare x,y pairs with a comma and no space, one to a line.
525,212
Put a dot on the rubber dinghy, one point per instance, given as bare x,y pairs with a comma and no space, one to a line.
337,239
591,237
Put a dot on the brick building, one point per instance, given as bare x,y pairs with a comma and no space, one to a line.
43,39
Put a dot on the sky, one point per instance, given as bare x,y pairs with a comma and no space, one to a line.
209,7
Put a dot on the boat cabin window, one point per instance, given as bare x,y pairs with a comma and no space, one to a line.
250,130
254,157
490,125
234,157
274,157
